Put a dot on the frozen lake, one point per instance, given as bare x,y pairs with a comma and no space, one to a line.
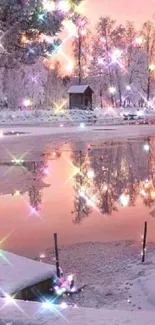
86,192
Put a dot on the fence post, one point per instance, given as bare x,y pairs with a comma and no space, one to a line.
144,242
56,255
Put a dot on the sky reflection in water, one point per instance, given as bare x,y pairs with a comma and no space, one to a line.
99,193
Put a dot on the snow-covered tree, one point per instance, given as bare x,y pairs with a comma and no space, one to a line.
55,86
81,47
107,56
148,34
24,82
28,29
133,65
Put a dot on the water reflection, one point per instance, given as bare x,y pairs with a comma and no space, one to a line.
108,189
123,172
82,185
104,178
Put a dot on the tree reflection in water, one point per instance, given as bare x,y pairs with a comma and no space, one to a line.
82,186
123,172
35,191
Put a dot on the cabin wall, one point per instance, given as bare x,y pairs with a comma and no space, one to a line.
87,101
81,101
76,101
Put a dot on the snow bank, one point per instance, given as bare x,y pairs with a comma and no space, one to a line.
55,116
17,272
70,117
26,313
143,289
31,116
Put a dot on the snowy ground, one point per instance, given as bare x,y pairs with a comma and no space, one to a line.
113,274
69,117
33,314
51,115
115,280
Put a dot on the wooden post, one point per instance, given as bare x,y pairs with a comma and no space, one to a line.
144,242
56,255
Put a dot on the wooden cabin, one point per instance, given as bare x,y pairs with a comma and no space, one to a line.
80,96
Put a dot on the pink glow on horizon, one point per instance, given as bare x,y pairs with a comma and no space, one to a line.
121,10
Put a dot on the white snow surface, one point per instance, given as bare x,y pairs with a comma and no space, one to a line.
45,115
137,309
31,313
60,115
17,272
77,89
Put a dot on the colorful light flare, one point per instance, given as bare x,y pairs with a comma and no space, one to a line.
70,67
139,40
83,32
100,61
90,174
152,67
63,305
46,171
82,125
71,28
112,90
24,39
9,299
124,199
64,5
47,305
49,5
42,256
59,108
153,194
146,147
140,113
27,102
116,54
17,161
142,193
17,193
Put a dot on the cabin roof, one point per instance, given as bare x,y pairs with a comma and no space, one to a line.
78,89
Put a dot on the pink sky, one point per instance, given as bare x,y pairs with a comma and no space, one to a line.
121,10
137,11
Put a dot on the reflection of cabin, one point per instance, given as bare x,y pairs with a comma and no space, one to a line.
80,96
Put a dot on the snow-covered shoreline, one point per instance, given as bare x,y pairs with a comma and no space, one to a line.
111,273
115,280
68,117
36,140
31,313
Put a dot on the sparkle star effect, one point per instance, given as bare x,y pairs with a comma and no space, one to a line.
124,199
27,102
49,5
146,147
64,6
112,90
75,170
49,305
10,300
60,110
